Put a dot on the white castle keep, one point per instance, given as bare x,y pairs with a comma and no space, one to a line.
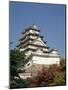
36,49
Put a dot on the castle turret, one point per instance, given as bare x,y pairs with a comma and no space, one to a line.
32,40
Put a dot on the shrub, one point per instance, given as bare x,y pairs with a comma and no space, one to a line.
19,83
51,76
59,78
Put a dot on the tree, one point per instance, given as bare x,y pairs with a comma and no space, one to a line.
59,78
43,78
52,76
17,59
63,64
58,73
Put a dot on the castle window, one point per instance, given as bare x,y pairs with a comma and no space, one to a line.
28,64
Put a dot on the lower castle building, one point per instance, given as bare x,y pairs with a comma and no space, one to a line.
37,51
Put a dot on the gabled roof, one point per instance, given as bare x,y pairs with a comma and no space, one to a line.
30,34
33,27
39,41
39,51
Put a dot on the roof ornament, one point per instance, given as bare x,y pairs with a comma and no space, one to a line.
34,26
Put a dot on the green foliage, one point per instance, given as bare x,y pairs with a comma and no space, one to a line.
52,76
63,64
19,83
17,59
58,74
58,78
22,83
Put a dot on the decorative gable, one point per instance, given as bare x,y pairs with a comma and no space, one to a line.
38,41
38,51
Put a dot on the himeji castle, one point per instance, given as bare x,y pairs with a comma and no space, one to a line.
36,50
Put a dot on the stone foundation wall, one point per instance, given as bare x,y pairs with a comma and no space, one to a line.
32,70
36,68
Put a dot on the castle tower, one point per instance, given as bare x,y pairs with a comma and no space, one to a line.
36,49
32,41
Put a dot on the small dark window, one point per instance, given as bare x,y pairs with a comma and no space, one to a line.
28,64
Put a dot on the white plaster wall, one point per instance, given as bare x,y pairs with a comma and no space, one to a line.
22,49
37,42
46,60
33,37
24,75
28,53
32,47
